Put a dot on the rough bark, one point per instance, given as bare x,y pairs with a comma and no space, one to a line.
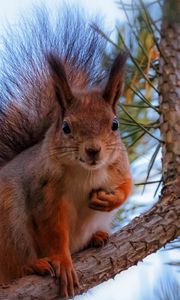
151,230
169,88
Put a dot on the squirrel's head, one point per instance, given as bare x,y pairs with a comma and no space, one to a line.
87,130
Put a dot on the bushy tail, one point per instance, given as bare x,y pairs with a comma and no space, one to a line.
26,95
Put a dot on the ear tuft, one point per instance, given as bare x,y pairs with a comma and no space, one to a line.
60,82
115,82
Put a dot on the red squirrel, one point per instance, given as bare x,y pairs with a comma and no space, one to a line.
64,168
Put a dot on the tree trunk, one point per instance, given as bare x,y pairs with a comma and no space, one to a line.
169,88
153,229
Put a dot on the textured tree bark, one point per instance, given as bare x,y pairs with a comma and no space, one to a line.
169,88
153,229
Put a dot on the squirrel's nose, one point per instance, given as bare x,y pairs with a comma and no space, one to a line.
92,151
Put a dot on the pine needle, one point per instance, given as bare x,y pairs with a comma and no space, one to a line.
141,126
151,162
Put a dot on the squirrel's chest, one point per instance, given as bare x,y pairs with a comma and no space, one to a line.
84,221
78,185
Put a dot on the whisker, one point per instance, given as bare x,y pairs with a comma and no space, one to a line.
66,147
118,148
69,151
59,154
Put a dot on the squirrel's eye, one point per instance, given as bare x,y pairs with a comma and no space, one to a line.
66,128
115,124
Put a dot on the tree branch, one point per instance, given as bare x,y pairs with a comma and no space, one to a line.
144,235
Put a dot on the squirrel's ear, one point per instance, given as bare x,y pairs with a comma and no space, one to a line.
60,82
115,82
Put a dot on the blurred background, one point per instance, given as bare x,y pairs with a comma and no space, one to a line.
134,26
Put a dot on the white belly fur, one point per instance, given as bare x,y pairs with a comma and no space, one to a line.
84,222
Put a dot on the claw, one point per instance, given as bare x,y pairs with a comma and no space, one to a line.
56,266
40,266
99,239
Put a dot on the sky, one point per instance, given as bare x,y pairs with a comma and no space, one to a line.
11,10
127,285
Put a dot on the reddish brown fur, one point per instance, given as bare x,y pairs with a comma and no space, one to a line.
55,189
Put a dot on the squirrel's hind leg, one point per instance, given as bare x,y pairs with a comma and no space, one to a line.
56,267
53,241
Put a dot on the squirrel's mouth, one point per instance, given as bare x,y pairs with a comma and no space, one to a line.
90,164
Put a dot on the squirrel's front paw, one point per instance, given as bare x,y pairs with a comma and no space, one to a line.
106,201
99,238
56,266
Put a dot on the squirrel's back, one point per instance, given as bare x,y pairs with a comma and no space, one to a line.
26,103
